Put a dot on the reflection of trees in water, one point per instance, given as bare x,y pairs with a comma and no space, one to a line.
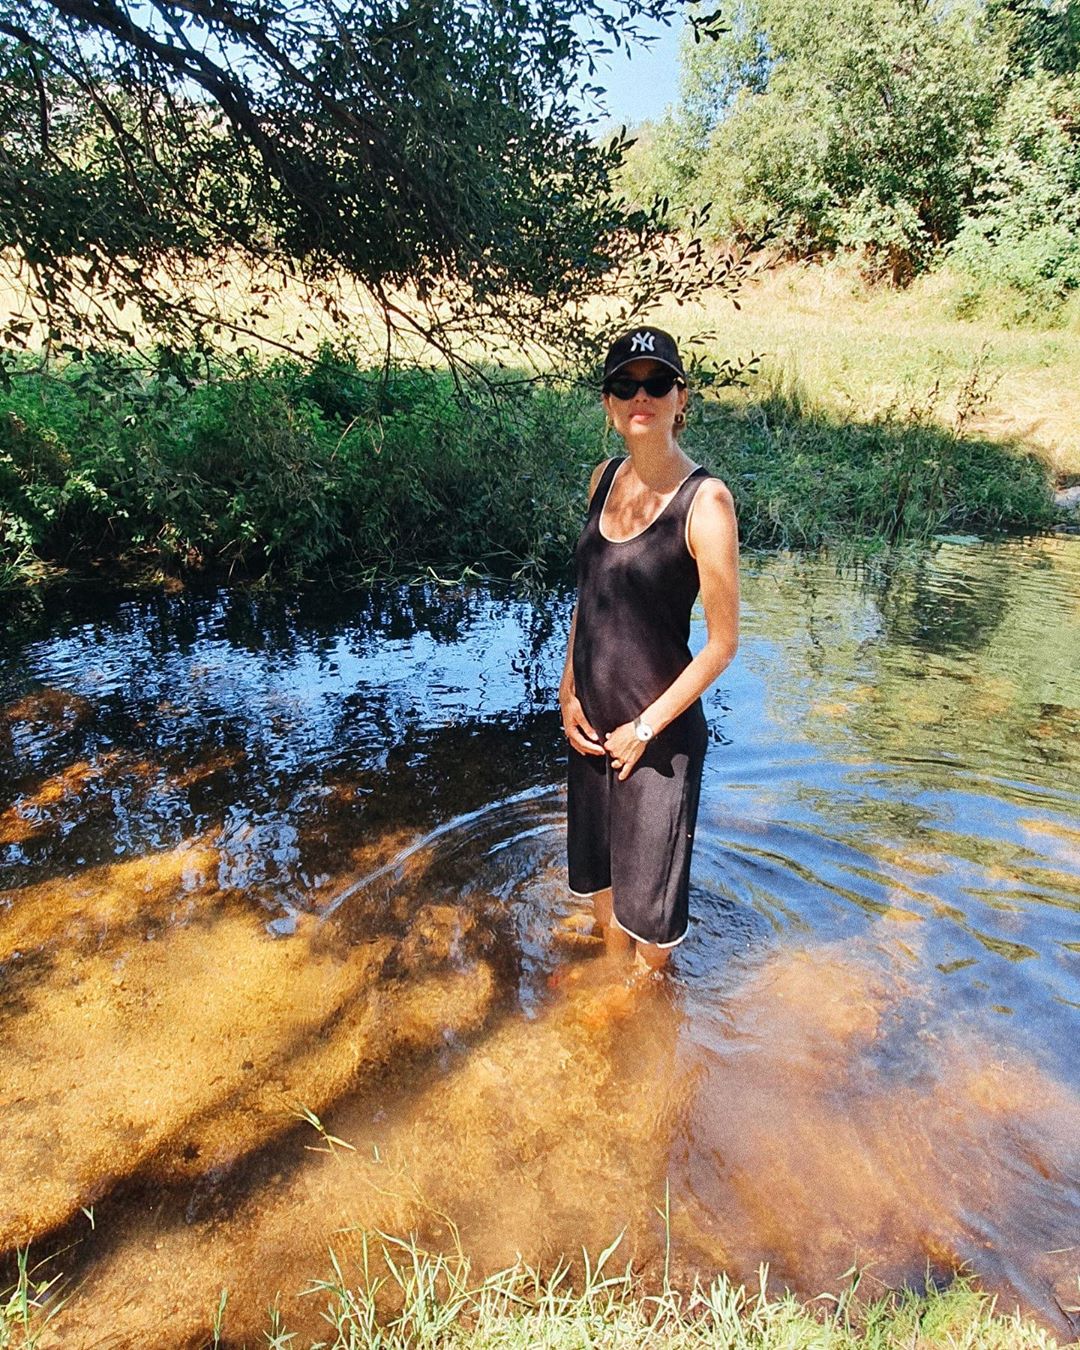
948,602
941,766
993,682
293,725
259,621
965,656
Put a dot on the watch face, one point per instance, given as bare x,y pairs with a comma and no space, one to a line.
643,731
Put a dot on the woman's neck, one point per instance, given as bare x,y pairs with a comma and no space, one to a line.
658,463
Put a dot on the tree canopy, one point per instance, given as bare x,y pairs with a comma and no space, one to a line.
889,127
432,147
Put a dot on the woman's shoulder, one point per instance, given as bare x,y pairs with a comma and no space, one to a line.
598,473
711,523
713,491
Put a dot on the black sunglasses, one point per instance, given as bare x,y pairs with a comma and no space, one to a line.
656,386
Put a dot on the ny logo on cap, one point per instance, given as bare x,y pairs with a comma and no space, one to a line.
643,342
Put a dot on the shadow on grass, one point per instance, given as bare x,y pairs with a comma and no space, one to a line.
806,479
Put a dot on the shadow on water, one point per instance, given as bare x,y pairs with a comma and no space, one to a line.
274,867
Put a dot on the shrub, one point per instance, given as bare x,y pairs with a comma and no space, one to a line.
1023,230
287,470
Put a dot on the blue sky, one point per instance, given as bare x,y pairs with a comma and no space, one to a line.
642,85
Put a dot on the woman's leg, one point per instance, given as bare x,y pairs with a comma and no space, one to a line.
648,957
615,940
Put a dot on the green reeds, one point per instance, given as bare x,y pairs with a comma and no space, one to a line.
806,479
332,471
424,1301
395,1295
27,1308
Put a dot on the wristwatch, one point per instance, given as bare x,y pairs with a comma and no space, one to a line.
642,730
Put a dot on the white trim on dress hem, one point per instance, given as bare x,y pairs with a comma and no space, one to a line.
591,895
663,946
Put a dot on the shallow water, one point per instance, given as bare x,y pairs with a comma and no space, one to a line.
266,855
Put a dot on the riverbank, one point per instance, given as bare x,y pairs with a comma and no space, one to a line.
334,470
857,349
420,1299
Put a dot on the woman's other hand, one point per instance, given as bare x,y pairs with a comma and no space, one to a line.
625,749
580,732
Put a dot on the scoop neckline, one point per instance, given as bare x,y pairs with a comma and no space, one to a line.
645,528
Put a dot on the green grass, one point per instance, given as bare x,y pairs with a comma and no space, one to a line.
804,477
27,1308
857,350
294,471
435,1303
397,1296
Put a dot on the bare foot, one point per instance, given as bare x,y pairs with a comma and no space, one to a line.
605,969
581,921
602,1006
577,944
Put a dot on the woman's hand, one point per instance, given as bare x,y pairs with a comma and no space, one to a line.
579,730
625,749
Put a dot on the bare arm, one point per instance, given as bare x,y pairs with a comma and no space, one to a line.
714,542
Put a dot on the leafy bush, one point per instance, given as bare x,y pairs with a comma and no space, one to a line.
1023,229
59,454
289,470
245,477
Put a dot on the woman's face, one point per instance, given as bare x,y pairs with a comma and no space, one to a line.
643,414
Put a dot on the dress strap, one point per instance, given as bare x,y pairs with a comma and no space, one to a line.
600,496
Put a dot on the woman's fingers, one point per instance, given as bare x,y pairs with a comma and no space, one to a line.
583,742
586,726
579,730
625,750
630,760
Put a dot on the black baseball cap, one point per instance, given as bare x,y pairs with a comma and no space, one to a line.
651,344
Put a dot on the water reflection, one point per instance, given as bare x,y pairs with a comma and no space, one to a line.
262,856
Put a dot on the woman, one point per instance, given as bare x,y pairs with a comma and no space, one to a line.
659,530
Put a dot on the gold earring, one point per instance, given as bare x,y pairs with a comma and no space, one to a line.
680,419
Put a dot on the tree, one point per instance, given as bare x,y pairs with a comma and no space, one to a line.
1040,35
843,123
428,147
1023,227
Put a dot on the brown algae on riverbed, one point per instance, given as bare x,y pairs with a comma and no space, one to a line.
188,1045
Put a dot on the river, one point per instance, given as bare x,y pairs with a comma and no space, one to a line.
278,871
